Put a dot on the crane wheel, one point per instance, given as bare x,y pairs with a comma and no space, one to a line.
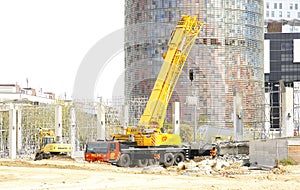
124,160
142,163
179,157
168,159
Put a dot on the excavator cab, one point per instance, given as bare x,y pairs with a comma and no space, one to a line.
47,140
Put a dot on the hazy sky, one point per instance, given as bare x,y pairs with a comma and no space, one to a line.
45,41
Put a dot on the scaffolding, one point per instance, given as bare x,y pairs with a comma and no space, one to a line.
276,125
273,109
80,119
297,108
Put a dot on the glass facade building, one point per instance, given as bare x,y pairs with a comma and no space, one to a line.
227,57
283,62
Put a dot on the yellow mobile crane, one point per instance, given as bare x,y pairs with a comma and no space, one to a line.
147,143
149,130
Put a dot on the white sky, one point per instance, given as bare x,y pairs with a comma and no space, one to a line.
46,40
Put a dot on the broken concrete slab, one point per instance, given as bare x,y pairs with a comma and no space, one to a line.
268,152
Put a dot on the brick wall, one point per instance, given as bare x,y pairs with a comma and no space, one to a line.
294,152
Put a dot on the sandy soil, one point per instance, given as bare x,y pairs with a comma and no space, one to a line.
70,174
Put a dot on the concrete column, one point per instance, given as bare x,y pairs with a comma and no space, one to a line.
1,139
126,117
267,115
58,123
237,116
101,122
176,117
19,131
287,112
73,132
12,134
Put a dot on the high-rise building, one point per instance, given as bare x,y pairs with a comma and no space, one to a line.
282,54
282,9
282,63
227,58
282,27
286,13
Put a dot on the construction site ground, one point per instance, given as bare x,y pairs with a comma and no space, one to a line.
70,174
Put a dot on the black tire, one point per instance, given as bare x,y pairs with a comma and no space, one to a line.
179,157
38,156
47,155
142,163
168,159
124,160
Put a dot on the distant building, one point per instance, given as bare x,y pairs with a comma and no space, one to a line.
9,88
282,76
285,14
13,92
282,9
282,56
227,58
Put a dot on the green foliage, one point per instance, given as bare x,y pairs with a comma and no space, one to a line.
288,161
186,133
202,119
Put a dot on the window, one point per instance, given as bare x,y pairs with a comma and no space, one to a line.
286,57
291,6
213,41
272,14
275,5
298,14
280,13
296,6
112,147
280,5
268,5
267,14
286,46
288,14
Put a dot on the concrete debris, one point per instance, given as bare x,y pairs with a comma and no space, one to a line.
207,166
189,165
233,147
225,166
222,166
280,170
153,169
244,158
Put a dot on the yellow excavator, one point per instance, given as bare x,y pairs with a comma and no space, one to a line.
48,147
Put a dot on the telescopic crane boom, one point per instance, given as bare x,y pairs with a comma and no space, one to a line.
149,130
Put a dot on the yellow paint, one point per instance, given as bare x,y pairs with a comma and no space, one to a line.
148,132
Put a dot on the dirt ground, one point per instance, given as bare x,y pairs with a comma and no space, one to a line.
70,174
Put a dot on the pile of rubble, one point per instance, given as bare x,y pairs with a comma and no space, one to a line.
212,167
279,170
203,166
